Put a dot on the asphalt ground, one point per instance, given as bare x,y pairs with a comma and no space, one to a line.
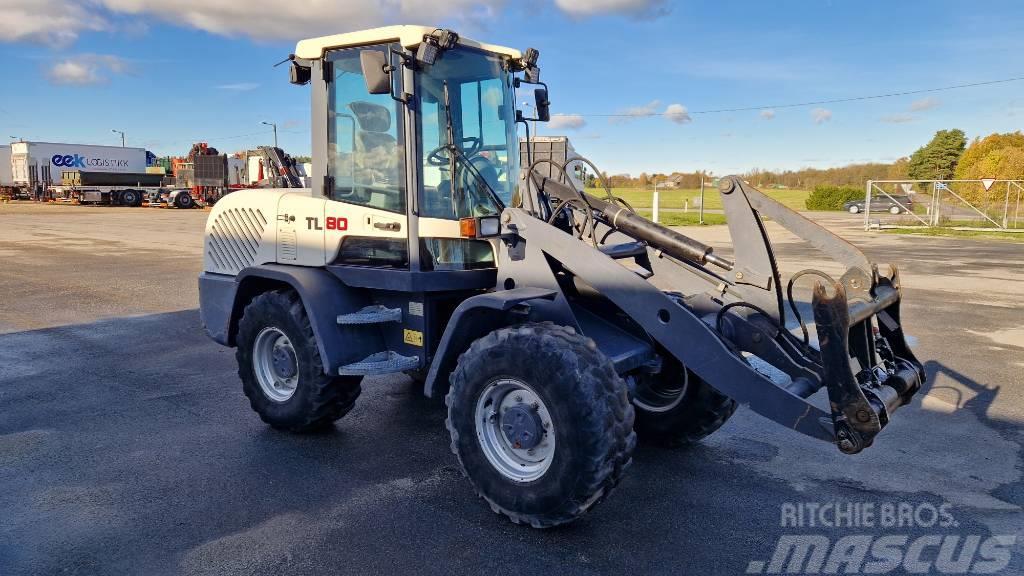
127,447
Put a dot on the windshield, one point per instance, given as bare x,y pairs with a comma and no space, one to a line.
483,127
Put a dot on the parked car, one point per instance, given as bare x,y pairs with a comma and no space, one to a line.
890,204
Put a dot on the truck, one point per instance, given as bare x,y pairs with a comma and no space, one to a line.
37,166
113,188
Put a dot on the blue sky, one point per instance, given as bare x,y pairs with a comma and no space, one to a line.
170,72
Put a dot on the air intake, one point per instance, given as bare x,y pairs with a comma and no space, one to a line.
234,239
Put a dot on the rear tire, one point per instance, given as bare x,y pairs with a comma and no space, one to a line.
288,389
895,210
569,394
677,408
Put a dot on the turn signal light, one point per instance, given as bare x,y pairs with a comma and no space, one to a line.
483,227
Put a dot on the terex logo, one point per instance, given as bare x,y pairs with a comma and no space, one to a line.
69,161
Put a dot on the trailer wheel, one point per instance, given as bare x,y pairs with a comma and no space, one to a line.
281,370
676,407
540,422
184,200
130,198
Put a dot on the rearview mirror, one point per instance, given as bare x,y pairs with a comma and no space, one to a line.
540,96
376,71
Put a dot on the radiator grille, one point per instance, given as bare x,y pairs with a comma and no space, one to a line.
234,239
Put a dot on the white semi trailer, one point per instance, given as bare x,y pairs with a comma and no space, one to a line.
6,175
36,166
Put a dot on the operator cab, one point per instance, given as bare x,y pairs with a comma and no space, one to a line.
416,122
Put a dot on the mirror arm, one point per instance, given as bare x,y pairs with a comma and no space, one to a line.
391,69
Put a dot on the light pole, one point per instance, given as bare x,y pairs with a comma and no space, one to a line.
275,131
122,136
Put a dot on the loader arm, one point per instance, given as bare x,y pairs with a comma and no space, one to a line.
732,331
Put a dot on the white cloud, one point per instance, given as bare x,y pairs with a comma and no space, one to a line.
924,104
265,19
71,72
84,69
633,8
629,114
897,118
678,113
60,22
768,114
239,87
566,122
821,115
53,22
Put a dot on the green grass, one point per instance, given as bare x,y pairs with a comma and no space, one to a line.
641,198
691,218
977,234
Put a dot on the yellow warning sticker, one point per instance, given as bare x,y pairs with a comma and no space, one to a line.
413,337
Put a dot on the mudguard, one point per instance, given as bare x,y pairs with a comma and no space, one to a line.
324,297
473,318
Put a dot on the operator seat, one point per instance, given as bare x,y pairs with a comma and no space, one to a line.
376,152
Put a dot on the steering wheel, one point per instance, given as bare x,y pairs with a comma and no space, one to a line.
435,158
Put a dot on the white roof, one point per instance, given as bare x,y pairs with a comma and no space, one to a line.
407,36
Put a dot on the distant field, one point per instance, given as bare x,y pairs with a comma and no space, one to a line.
676,199
691,218
937,231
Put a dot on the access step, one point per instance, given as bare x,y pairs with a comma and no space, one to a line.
375,314
387,362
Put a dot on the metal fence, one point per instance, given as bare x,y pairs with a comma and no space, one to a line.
987,204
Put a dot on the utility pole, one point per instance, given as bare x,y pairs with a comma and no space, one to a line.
122,136
274,124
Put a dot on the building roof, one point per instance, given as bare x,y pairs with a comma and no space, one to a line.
407,36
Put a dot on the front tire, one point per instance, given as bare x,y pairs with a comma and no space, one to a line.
281,370
854,209
540,422
184,200
677,408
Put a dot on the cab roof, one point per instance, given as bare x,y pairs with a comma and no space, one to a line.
406,35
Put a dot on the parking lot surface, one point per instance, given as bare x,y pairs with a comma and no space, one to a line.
127,447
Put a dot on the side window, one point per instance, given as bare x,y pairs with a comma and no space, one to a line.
366,144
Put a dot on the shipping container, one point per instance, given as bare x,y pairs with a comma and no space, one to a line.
42,162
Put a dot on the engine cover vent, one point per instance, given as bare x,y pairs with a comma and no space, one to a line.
234,239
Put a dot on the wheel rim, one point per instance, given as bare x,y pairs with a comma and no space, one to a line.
276,364
515,430
854,209
654,395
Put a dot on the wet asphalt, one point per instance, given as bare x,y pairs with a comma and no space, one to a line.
126,446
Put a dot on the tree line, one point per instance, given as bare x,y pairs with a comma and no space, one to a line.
947,155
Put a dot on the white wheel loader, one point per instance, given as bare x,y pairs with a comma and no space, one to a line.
428,246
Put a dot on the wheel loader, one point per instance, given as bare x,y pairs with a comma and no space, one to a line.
558,325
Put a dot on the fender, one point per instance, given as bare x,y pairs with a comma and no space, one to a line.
323,296
473,318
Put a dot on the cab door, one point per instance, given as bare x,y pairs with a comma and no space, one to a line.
366,213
